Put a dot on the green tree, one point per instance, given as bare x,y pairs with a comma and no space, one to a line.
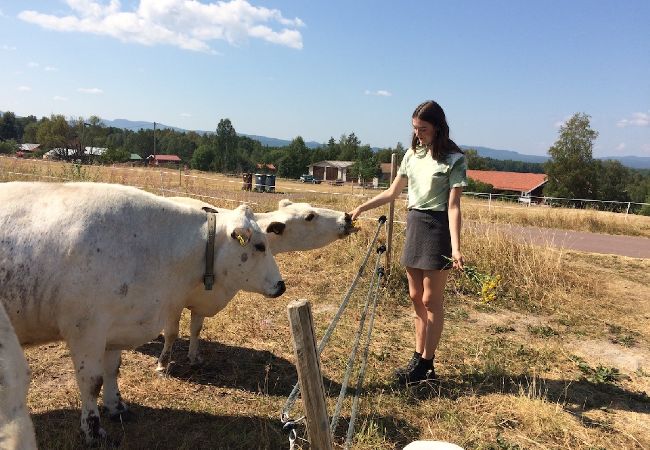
226,160
474,161
203,157
365,165
29,133
295,160
384,155
613,180
571,169
8,126
54,132
8,146
348,147
115,155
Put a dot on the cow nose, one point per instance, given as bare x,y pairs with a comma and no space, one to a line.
280,289
349,227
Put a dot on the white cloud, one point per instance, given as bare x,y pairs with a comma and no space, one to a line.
620,147
9,48
189,25
24,88
51,69
637,120
90,90
33,64
379,93
186,114
59,98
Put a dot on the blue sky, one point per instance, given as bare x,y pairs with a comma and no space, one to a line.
507,73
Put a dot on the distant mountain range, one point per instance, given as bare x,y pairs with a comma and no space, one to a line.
136,125
634,162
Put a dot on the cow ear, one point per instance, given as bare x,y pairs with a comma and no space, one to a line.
243,235
284,202
276,227
209,210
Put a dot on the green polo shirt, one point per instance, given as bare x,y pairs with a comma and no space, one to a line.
429,181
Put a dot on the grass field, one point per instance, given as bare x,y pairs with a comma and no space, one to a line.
556,358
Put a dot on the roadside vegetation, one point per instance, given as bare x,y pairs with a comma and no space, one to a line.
543,348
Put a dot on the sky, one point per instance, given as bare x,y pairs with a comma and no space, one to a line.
507,73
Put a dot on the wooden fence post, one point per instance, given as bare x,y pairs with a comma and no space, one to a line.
309,375
391,215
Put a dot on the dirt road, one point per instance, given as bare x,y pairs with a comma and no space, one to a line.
632,246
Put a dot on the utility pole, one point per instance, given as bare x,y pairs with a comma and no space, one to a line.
154,142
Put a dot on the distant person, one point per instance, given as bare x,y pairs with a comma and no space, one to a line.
434,169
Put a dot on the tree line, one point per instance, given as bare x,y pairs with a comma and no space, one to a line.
572,171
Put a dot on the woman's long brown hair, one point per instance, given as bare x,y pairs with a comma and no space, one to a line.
432,113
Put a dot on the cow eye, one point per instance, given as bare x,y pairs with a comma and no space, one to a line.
310,217
260,247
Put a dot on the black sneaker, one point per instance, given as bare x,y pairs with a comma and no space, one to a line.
423,371
410,366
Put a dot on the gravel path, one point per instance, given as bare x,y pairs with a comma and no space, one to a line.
632,246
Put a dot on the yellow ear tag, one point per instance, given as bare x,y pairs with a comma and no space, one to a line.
241,240
354,223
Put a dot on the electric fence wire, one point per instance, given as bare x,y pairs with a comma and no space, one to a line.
291,400
357,338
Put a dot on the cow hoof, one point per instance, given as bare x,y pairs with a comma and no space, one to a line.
123,416
95,439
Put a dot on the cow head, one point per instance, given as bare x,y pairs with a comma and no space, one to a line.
300,226
243,259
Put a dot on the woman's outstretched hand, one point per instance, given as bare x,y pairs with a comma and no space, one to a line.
355,213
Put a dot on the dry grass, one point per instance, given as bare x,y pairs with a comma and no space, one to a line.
557,360
564,218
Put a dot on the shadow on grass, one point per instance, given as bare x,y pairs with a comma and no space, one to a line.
178,429
577,397
231,366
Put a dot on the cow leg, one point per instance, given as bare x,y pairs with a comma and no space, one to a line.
171,334
112,398
88,357
196,323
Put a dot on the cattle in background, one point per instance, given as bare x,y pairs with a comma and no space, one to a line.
292,227
16,429
103,266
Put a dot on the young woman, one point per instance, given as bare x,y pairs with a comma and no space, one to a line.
434,169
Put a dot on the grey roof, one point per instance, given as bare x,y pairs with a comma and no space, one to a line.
337,164
29,147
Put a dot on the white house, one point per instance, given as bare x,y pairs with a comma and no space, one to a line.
331,170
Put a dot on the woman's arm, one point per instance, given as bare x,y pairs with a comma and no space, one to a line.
394,190
453,208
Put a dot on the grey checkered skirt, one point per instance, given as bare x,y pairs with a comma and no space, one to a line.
427,240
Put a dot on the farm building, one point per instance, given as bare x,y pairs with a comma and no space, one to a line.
157,160
331,170
522,184
29,148
65,153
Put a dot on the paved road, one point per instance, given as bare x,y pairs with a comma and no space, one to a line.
632,246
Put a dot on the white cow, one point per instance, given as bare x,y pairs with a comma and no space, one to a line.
103,266
16,429
292,227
